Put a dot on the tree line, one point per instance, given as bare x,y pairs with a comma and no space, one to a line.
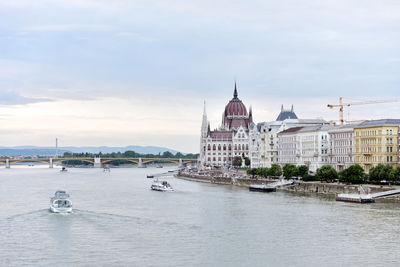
380,174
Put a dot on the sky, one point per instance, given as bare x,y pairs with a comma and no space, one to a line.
117,73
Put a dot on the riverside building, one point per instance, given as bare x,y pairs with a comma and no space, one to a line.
342,146
268,131
304,145
237,136
376,141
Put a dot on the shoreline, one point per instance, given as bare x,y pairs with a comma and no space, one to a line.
319,188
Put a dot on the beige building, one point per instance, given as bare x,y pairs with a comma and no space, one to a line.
375,142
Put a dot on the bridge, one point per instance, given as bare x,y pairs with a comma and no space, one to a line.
98,162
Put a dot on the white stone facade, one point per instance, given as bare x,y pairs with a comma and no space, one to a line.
304,146
219,147
342,147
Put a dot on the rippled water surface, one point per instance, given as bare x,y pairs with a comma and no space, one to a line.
119,221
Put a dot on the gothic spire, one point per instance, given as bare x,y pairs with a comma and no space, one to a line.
235,94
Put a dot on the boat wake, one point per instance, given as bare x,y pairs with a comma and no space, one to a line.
43,211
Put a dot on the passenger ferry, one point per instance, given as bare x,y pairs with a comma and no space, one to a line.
60,203
161,186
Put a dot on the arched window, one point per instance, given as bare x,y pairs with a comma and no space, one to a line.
214,147
224,147
209,147
229,147
247,147
219,147
235,147
204,148
240,147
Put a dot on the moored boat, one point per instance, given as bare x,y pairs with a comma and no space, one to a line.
150,176
60,203
262,188
161,186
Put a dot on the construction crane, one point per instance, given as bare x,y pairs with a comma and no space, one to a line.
341,105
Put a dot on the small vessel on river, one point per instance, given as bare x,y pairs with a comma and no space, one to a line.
150,176
63,169
60,203
161,186
262,188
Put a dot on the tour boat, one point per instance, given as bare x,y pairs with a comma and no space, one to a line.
159,166
161,186
60,203
150,176
106,169
262,188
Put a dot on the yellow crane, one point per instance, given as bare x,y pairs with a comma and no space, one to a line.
341,105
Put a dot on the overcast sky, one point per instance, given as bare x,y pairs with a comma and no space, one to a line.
100,72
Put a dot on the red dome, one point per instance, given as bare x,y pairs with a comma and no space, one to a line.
235,107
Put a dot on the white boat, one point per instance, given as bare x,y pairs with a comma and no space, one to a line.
60,203
161,186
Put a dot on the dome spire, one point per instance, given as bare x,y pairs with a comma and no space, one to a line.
235,94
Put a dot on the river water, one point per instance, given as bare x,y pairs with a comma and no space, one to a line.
119,221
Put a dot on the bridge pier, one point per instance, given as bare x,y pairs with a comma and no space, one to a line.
180,163
97,163
51,163
140,165
7,163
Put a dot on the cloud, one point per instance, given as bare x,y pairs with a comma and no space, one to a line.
70,27
8,97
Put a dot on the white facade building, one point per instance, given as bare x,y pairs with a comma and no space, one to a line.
342,147
236,137
304,146
269,134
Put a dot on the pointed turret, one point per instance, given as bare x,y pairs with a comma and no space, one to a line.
204,122
235,94
250,115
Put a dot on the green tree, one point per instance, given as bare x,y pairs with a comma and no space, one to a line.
275,170
289,170
395,175
247,161
252,172
327,173
167,154
380,172
237,161
130,154
262,172
354,174
302,170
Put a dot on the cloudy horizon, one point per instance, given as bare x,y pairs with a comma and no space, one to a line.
121,72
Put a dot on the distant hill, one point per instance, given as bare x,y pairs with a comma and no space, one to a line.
49,151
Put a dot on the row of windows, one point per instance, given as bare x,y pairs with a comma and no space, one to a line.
219,159
341,159
374,159
372,132
237,147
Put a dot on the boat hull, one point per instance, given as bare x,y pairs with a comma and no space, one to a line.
161,189
265,189
60,210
